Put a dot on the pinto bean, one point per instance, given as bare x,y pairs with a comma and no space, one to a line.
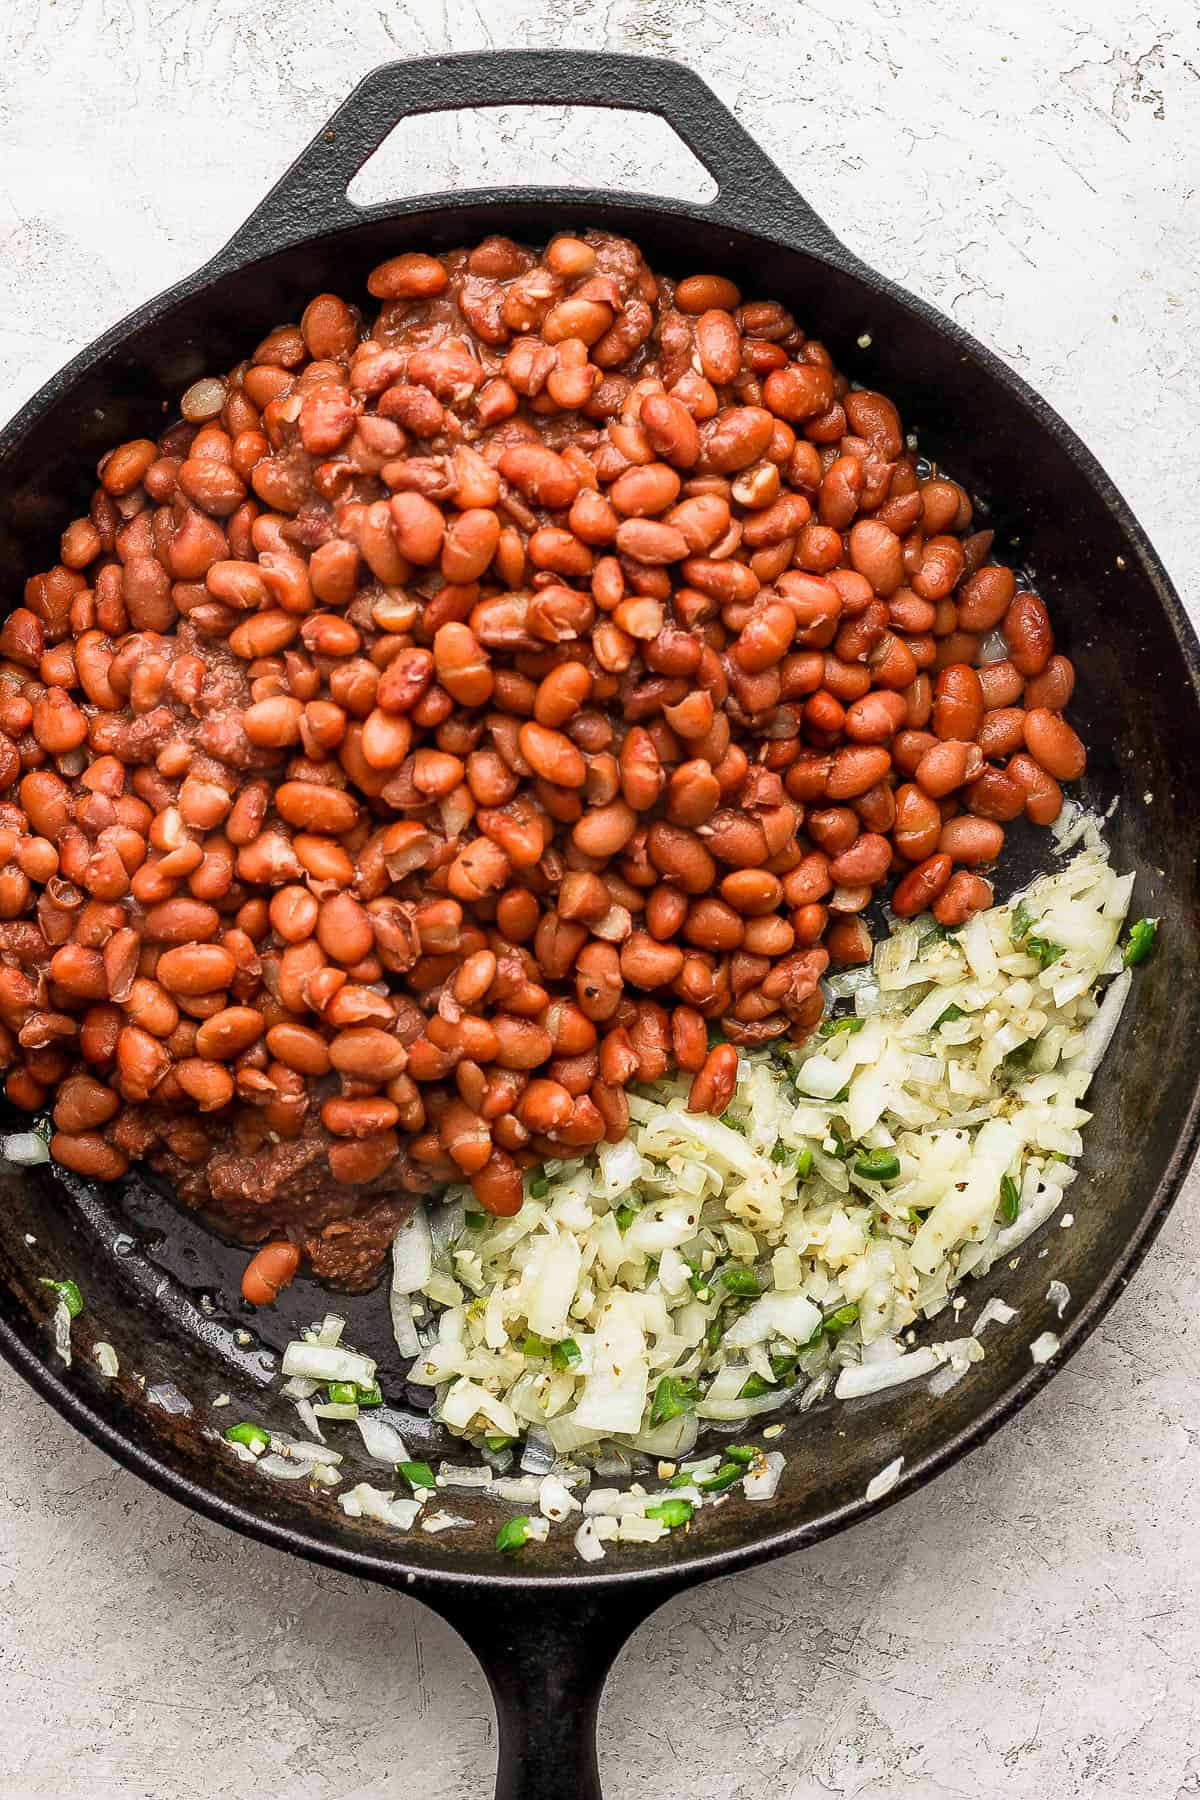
1053,744
958,703
269,1271
971,840
712,1089
1043,795
597,642
964,895
921,886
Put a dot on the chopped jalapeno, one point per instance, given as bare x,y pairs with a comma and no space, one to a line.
724,1478
566,1355
740,1453
496,1444
739,1280
672,1512
343,1393
1022,922
672,1397
625,1215
878,1165
834,1027
1044,951
68,1293
801,1159
537,1348
783,1369
539,1187
514,1533
844,1316
1142,934
253,1436
951,1013
417,1474
1010,1200
832,1324
699,1284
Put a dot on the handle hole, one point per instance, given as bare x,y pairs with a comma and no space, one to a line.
566,146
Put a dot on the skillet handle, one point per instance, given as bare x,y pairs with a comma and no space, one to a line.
752,193
546,1654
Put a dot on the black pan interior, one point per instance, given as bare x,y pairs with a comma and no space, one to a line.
164,1291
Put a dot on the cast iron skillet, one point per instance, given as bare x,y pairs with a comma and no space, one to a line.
163,1290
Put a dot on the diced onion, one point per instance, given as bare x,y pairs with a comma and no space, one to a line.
412,1253
403,1329
25,1148
282,1468
762,1477
587,1542
555,1501
885,1481
367,1502
62,1332
518,1490
381,1440
298,1450
997,1311
1059,1296
871,1378
322,1364
444,1521
465,1475
309,1420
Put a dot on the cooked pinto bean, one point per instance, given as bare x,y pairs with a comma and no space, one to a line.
971,840
712,1090
452,680
1043,796
963,895
1054,745
268,1271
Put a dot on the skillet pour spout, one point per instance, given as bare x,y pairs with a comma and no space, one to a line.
162,1289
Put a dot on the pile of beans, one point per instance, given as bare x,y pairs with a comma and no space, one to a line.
459,714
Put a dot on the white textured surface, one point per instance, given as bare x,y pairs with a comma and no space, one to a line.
1030,1625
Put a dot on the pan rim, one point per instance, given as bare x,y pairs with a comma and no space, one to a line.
429,1581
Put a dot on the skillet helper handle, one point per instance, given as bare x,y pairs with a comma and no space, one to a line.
547,1658
752,193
